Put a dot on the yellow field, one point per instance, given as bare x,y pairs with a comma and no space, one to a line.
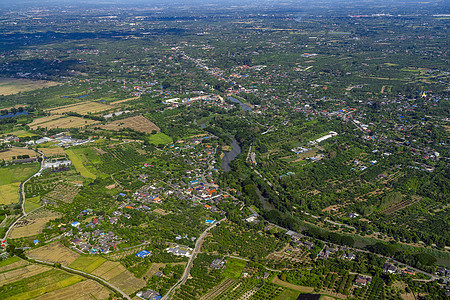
9,86
9,193
105,268
32,224
78,164
138,123
14,265
37,122
53,152
18,274
81,108
54,252
87,289
68,122
127,282
124,100
12,153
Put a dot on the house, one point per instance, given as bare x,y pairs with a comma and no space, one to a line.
159,274
362,281
266,275
388,268
149,295
76,241
36,242
217,264
349,256
75,224
143,253
308,244
177,251
409,272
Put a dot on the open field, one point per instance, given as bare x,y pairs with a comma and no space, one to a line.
87,263
138,123
68,122
303,289
9,193
19,133
12,263
12,153
39,121
32,203
54,252
9,86
288,294
21,273
78,164
127,282
123,101
29,287
88,289
234,268
160,138
32,224
53,152
80,108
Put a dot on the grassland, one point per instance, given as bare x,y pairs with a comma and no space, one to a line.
234,268
8,261
138,123
160,139
78,164
288,294
303,289
9,86
54,252
14,152
87,289
32,203
9,193
53,151
19,133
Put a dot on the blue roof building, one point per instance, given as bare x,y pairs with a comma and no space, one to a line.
143,253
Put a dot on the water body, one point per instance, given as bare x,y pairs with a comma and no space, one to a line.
244,107
230,155
11,115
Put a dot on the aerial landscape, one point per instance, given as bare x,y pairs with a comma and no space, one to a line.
217,150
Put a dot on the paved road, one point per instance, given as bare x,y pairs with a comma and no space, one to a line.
89,276
190,262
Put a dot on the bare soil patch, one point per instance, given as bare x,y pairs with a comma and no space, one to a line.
32,224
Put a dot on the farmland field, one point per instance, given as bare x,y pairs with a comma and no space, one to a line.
9,86
67,122
14,152
53,152
288,294
54,252
234,268
10,178
80,108
88,289
38,284
87,263
78,164
160,139
138,123
19,133
33,223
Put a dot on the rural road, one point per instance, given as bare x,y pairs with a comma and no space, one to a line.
88,276
190,262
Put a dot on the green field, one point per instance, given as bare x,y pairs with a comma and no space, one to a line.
78,164
160,139
234,268
37,285
10,179
32,203
288,294
87,263
9,261
19,133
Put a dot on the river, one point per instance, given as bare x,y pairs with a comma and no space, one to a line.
244,107
230,155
